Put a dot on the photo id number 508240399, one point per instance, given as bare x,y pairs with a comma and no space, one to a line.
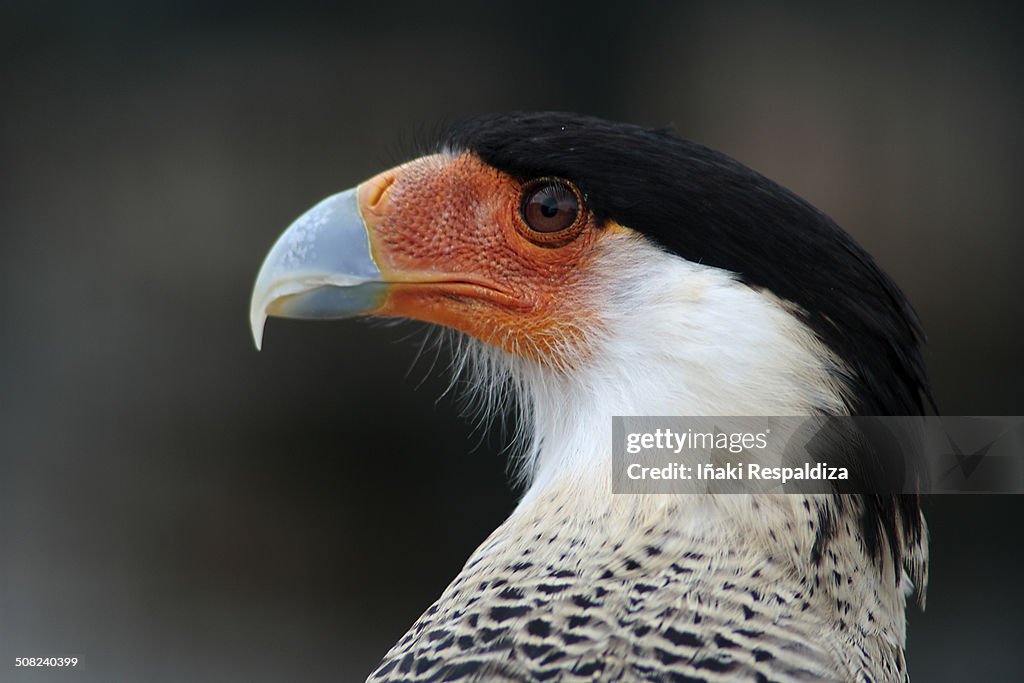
55,662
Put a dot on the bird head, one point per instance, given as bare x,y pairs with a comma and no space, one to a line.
448,239
569,244
609,269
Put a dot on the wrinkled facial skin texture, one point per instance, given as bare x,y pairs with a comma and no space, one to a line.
448,232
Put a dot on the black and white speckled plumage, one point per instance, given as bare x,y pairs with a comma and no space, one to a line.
548,599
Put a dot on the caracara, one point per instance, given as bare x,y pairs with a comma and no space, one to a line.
600,269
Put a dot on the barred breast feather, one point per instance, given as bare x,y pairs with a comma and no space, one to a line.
622,595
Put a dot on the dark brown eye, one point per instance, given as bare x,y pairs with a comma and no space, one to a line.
550,206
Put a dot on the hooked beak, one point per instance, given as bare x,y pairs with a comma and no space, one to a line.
320,268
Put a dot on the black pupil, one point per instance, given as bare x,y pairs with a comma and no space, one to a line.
549,206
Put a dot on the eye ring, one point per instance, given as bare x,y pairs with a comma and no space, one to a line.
551,210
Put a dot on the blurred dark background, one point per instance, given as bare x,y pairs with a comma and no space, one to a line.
175,506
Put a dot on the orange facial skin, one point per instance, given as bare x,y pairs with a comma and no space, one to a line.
449,235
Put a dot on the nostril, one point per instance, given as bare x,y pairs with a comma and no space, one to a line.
375,188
